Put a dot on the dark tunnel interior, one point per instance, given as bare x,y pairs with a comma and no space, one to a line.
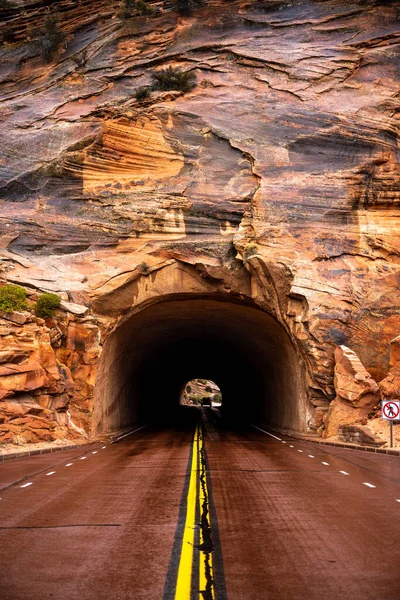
245,351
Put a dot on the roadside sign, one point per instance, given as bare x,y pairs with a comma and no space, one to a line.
391,410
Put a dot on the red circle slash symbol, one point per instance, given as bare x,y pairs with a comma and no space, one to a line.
390,410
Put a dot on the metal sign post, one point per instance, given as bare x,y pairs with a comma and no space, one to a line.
391,412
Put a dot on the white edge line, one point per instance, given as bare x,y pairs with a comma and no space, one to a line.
26,484
130,433
267,433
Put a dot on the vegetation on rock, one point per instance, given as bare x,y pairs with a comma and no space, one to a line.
250,249
50,37
186,7
12,297
6,5
144,267
142,93
47,304
174,79
140,7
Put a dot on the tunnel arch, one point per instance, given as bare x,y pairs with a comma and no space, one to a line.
164,343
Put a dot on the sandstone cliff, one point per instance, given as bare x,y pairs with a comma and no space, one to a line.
276,177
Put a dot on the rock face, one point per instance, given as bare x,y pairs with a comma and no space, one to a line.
275,181
353,383
357,393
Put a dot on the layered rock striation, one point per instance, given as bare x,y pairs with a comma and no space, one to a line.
276,180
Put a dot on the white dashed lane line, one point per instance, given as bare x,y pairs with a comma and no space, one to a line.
69,465
95,452
104,447
83,457
26,484
370,485
51,473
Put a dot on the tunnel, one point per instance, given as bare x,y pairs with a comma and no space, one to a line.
154,352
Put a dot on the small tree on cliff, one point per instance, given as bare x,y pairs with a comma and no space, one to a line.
46,305
186,7
12,297
50,37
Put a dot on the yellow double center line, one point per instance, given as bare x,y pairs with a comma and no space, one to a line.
197,504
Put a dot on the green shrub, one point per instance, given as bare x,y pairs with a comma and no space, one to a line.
50,37
188,389
196,399
47,304
174,79
142,8
217,398
127,9
12,297
142,93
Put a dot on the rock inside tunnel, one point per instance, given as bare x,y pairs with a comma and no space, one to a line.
245,351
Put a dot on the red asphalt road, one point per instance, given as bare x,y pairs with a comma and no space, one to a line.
290,527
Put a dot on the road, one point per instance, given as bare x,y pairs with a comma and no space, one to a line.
267,519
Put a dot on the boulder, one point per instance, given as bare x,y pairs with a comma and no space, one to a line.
341,413
13,355
356,392
353,383
19,318
75,309
21,378
390,386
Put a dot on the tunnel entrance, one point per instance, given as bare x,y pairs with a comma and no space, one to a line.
154,352
201,392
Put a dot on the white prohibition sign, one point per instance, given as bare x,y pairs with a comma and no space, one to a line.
391,410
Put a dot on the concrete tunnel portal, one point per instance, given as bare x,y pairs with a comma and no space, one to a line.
154,352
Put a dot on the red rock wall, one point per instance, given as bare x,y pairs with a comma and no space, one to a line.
284,157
